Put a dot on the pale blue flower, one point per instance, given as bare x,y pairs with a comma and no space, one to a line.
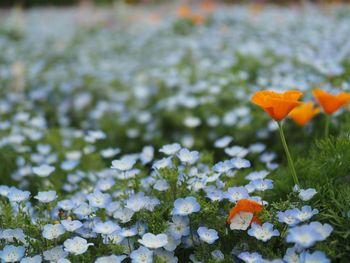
111,259
263,232
51,232
141,255
71,225
188,157
123,164
15,195
223,167
317,257
248,257
223,142
307,235
179,226
105,228
305,213
307,194
76,245
12,253
240,163
46,197
170,149
154,241
186,206
235,194
207,235
98,199
35,259
288,217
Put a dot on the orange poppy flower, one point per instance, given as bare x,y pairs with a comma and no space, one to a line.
304,113
245,206
207,6
329,102
277,105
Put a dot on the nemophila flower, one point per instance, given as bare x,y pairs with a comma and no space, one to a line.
163,163
260,185
105,228
170,149
240,163
173,243
10,235
257,147
330,102
223,142
83,210
15,195
147,154
165,256
188,157
71,225
305,213
304,113
51,232
186,206
35,259
291,255
123,164
153,241
55,254
215,195
76,245
98,199
243,214
263,232
250,257
46,197
4,190
43,170
207,235
66,205
235,194
141,255
223,167
123,214
138,201
217,255
109,152
288,217
315,257
12,253
307,235
277,105
257,175
307,194
179,226
111,259
161,185
237,151
129,232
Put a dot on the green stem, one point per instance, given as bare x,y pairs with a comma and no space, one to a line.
326,127
289,157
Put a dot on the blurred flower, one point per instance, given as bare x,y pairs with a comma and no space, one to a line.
304,113
329,102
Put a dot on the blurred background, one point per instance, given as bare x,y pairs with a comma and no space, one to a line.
31,3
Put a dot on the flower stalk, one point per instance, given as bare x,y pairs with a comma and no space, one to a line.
289,156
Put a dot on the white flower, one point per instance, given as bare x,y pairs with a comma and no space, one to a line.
76,245
153,241
111,259
46,197
35,259
43,170
241,221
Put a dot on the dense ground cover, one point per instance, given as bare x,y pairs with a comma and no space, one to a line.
128,135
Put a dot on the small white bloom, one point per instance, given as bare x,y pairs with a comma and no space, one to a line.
76,245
